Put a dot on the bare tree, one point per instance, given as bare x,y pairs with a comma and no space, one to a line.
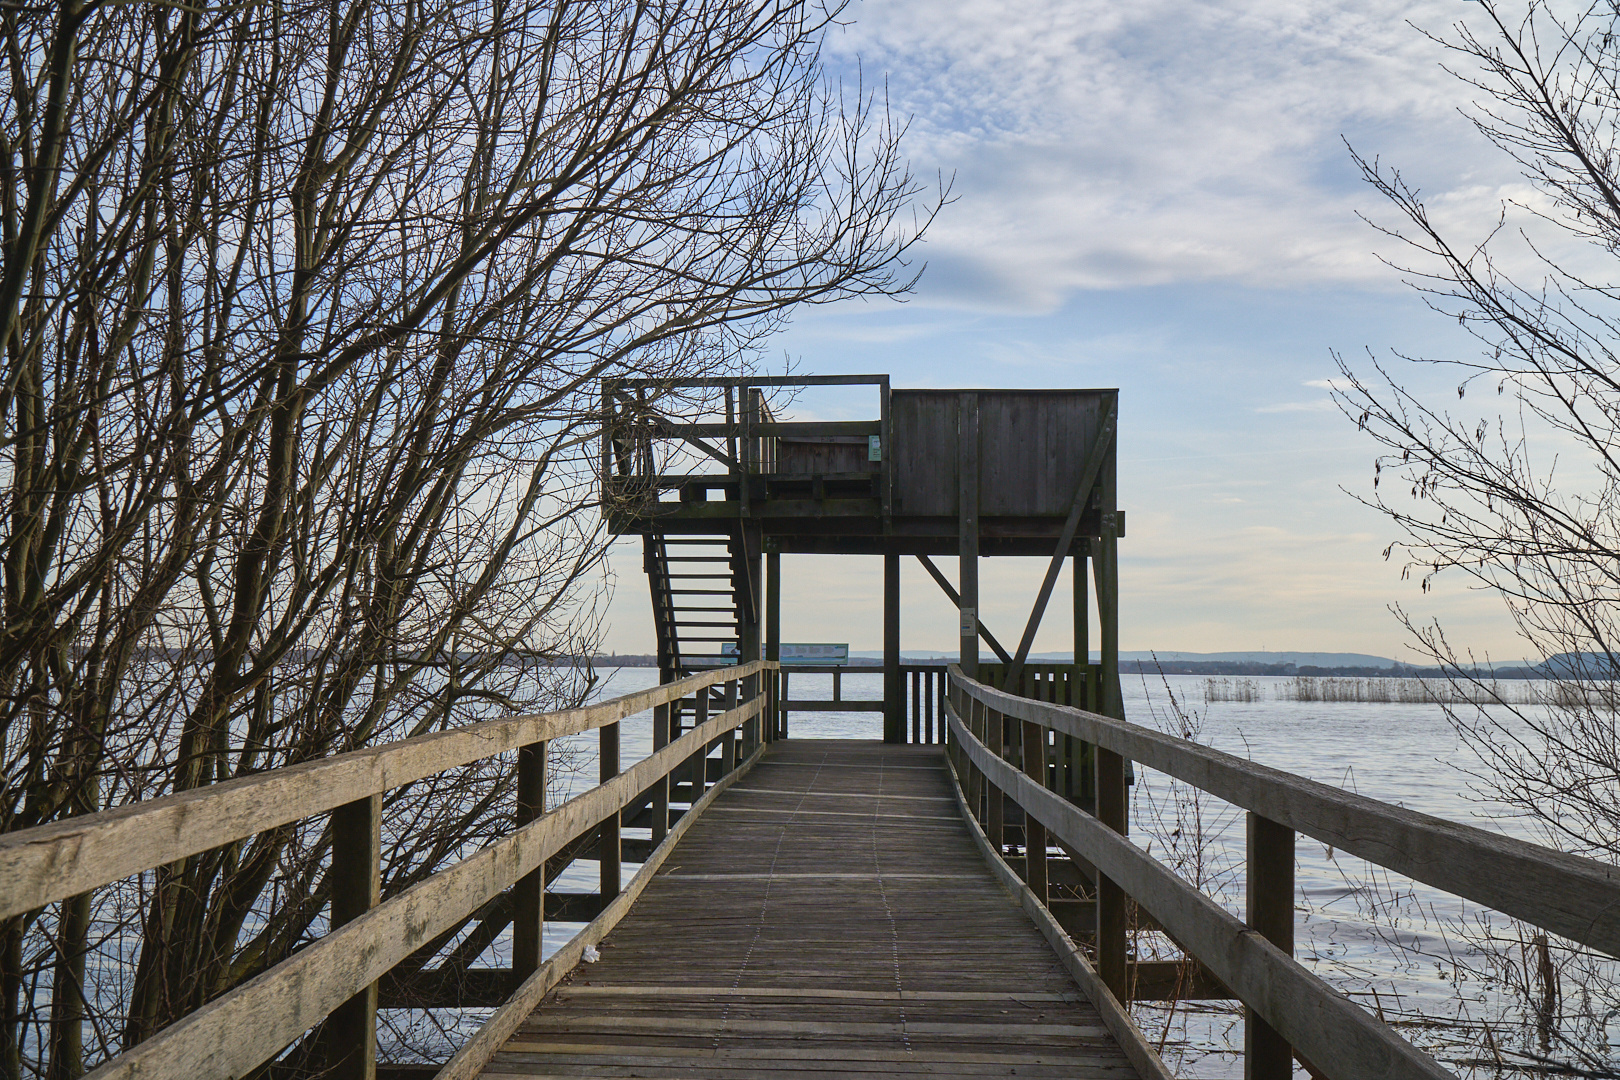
304,306
1523,496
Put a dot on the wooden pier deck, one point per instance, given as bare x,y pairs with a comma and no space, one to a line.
829,915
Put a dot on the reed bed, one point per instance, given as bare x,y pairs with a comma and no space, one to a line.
1412,691
1244,690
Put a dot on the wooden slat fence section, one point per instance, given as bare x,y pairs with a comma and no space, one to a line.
1292,1012
829,916
923,688
338,975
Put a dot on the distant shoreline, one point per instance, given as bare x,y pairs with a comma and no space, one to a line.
1395,670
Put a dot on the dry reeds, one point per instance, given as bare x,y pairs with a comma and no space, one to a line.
1414,691
1404,691
1244,690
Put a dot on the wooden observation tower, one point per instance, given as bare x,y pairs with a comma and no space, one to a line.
720,482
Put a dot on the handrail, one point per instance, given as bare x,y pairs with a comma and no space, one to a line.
245,1027
1321,1023
1579,898
69,857
1575,897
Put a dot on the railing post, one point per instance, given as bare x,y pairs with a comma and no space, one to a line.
995,724
698,763
754,729
973,717
351,1030
529,894
773,638
1271,912
928,706
1110,897
728,738
607,844
1034,831
783,695
660,799
894,684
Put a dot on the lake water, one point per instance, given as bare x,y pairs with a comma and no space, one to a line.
1404,949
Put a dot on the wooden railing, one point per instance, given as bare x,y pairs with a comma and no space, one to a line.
1001,750
336,978
924,688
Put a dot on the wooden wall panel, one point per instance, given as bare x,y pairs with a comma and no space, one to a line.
1033,445
923,426
831,454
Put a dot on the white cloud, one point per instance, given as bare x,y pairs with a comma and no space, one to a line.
1099,145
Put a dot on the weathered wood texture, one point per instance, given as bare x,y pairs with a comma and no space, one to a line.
828,916
1029,466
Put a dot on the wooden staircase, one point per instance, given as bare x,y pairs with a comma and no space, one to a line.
702,599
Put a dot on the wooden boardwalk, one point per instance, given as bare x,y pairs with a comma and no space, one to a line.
828,916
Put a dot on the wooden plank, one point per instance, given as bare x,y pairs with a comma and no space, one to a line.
1316,1019
844,938
52,862
802,994
1574,897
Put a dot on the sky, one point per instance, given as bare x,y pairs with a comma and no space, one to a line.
1158,196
